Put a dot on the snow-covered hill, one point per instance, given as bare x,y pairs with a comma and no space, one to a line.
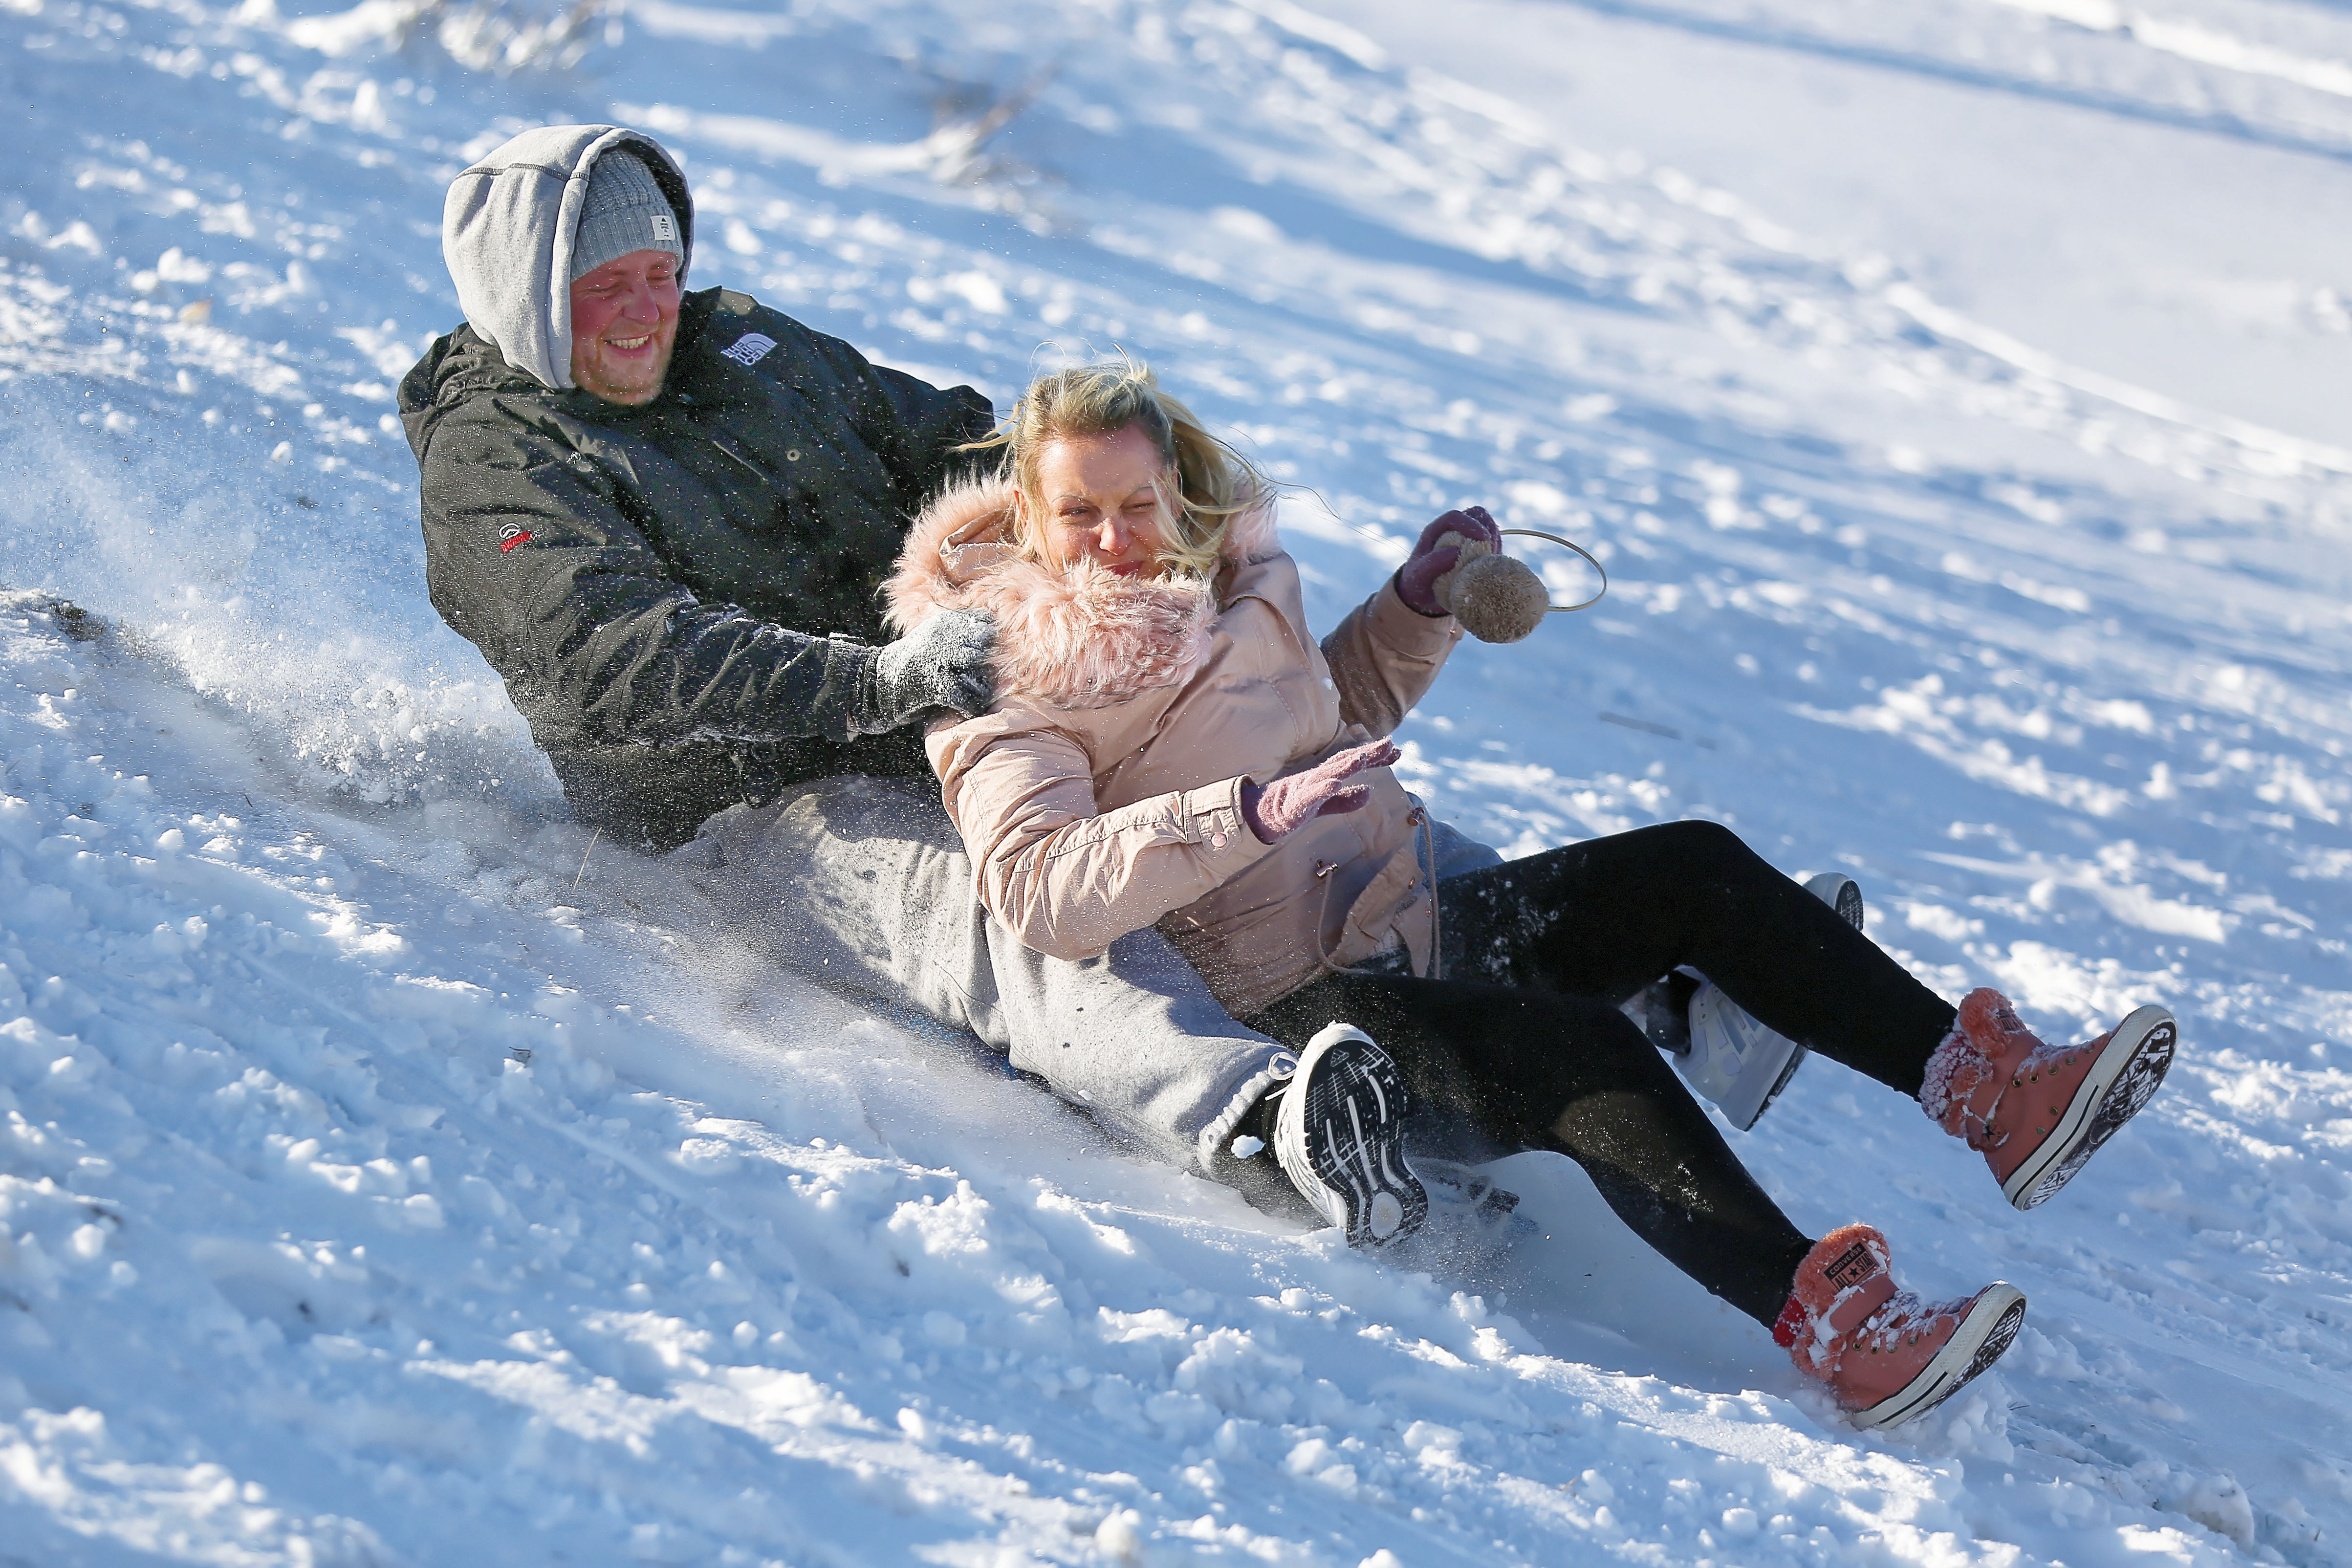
392,1173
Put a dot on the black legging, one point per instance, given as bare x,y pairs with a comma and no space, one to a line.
1525,1037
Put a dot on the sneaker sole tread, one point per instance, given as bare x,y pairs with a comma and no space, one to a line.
1353,1119
1986,1332
2130,1071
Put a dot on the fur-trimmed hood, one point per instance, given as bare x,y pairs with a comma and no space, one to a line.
1073,637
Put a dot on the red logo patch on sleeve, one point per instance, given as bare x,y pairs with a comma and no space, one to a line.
512,534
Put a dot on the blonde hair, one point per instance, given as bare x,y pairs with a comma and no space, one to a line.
1215,484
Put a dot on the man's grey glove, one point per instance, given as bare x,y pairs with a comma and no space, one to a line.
948,661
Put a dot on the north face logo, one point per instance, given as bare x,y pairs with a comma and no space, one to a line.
749,349
1852,1266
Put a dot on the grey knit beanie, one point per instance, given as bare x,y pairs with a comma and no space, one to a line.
625,212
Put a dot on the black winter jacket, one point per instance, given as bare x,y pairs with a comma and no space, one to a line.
632,572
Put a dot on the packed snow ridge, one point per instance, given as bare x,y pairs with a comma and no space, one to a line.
391,1173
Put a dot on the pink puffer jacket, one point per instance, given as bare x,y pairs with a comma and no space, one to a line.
1104,793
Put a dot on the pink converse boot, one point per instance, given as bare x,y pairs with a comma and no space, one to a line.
2039,1112
1885,1354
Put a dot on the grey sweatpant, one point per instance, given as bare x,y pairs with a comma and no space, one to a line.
863,884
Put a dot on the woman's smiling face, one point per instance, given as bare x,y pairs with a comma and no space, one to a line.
1098,500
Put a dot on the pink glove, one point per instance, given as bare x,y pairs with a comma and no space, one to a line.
1283,807
1439,549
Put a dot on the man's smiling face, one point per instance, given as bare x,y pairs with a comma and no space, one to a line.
623,324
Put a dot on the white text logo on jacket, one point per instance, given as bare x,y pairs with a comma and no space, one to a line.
749,348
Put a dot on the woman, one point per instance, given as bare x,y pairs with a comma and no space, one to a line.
1171,745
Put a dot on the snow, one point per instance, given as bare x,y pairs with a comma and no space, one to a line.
394,1174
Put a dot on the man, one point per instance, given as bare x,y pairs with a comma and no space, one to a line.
663,519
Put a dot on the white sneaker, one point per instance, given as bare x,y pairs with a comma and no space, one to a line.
1339,1135
1736,1062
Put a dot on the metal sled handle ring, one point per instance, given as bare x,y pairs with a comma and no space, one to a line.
1568,544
